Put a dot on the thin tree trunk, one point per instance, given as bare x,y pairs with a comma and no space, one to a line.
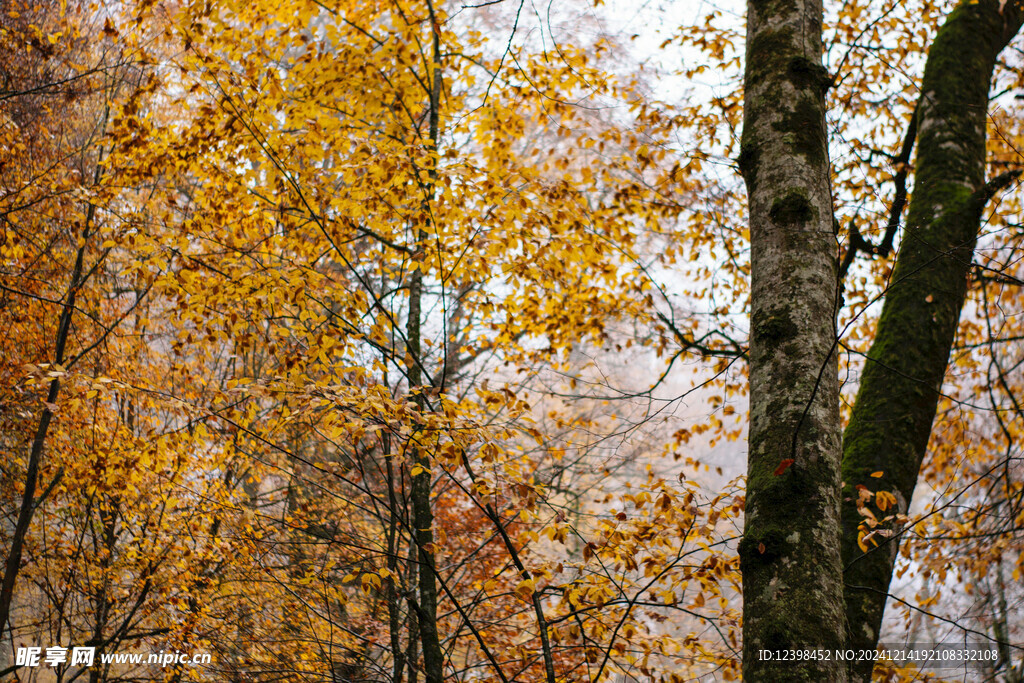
792,588
28,500
1001,630
103,603
892,418
393,540
422,510
422,477
412,644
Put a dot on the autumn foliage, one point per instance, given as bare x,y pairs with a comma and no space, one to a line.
329,324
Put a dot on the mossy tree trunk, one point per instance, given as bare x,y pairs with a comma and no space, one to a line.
899,389
790,557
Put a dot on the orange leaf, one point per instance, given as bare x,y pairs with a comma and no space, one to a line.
783,466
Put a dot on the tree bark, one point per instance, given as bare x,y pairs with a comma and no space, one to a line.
790,559
899,389
422,510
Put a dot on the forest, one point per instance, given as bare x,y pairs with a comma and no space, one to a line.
404,341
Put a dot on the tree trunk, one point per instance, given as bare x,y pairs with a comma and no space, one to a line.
422,510
899,389
29,502
422,477
790,559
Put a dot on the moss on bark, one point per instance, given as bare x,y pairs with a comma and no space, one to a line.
892,417
792,207
790,551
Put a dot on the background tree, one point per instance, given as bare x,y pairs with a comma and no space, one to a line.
368,247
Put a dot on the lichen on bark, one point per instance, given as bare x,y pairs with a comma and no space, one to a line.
790,551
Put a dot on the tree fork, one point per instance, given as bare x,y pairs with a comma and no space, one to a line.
789,555
899,390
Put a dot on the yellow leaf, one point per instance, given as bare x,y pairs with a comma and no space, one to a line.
525,589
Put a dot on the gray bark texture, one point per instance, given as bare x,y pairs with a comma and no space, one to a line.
789,555
892,418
